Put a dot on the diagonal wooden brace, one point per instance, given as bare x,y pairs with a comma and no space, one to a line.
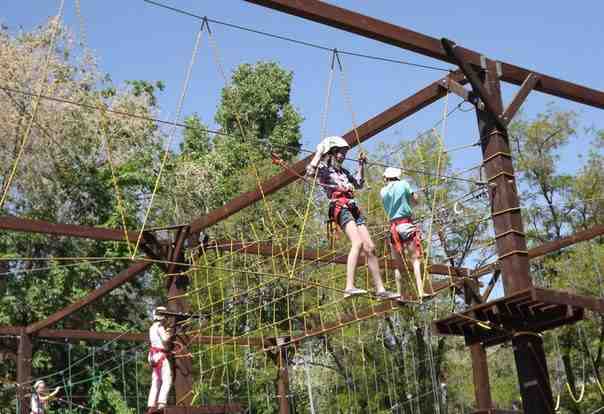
527,86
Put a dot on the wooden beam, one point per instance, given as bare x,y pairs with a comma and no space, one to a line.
488,99
92,336
389,33
459,90
491,285
360,315
270,250
205,409
549,247
527,86
563,298
125,276
372,127
59,229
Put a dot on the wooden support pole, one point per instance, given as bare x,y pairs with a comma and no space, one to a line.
511,245
282,380
183,366
24,357
480,371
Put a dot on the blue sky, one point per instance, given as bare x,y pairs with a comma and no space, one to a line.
136,40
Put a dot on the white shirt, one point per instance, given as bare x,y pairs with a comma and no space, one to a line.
158,336
37,405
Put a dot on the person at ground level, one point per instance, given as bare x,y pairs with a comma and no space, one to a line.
40,398
339,185
161,372
405,238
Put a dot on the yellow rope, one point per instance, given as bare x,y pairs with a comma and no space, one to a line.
171,137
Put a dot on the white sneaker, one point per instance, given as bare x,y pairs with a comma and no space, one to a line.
387,295
354,292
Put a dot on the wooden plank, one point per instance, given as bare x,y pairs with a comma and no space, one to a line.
527,86
564,298
389,33
207,409
372,127
125,276
361,315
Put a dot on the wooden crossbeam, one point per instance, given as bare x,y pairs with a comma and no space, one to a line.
358,316
392,34
549,247
363,132
269,249
125,276
486,97
60,229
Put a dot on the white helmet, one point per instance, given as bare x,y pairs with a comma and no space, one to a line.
392,172
157,316
331,142
38,383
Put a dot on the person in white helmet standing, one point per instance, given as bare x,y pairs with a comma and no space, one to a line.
405,238
339,185
40,397
161,376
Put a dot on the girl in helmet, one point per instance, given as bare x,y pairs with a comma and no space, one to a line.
40,397
405,238
161,376
339,185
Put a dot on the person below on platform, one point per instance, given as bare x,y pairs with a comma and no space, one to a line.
161,374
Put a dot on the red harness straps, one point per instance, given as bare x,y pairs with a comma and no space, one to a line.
396,238
157,365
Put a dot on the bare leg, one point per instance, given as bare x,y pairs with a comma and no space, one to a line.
417,270
398,260
372,261
356,243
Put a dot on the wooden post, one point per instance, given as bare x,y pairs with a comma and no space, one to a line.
511,245
282,380
480,371
24,356
183,366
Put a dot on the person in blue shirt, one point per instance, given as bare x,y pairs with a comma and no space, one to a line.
339,185
405,238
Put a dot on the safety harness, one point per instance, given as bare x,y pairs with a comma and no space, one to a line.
396,238
157,365
339,201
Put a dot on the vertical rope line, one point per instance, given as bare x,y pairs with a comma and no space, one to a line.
138,408
118,197
124,390
70,378
434,197
179,106
435,385
36,103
